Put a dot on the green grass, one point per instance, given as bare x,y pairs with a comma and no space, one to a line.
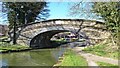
59,40
106,65
6,47
3,37
103,50
73,59
62,40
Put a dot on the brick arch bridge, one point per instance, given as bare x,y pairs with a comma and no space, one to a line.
38,34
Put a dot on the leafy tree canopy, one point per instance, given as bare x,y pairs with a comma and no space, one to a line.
109,11
25,12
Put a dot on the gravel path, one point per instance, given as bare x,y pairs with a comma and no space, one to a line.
94,58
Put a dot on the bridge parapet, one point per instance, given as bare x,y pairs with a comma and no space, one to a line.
62,22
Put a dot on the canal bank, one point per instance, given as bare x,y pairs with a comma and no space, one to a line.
72,59
44,57
17,55
7,48
36,57
39,57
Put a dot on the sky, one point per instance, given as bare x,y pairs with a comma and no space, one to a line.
58,10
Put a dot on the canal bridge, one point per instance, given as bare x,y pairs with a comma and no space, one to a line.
38,34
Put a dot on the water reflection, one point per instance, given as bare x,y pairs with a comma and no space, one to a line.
39,57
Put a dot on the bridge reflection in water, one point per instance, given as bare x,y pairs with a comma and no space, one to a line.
39,57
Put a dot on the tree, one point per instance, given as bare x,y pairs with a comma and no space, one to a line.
107,11
22,13
82,9
110,12
26,12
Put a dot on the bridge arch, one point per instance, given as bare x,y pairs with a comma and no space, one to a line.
42,40
30,34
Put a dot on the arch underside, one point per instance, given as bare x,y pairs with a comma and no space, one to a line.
42,40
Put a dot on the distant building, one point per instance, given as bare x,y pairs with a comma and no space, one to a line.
3,29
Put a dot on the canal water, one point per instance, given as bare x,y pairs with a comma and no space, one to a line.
38,57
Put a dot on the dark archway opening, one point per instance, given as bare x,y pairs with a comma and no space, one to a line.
42,40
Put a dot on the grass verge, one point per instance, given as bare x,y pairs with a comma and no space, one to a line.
103,50
72,59
106,65
6,47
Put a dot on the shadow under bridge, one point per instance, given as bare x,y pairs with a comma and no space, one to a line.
42,40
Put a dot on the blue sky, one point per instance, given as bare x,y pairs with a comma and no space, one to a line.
58,10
